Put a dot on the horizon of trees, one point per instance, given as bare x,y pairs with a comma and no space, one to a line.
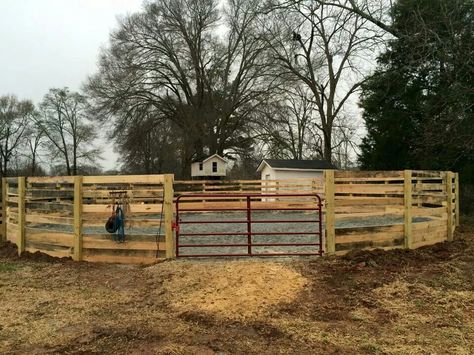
249,79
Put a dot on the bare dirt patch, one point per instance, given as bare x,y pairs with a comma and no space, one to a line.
397,302
232,289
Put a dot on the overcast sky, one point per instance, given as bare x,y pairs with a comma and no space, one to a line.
54,43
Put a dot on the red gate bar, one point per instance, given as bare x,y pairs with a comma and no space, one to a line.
249,221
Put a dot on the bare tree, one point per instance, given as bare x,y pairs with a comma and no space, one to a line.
287,129
65,124
14,118
171,60
34,141
325,49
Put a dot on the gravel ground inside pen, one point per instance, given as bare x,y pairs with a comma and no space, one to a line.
303,222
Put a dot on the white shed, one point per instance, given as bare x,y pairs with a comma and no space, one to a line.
280,169
213,167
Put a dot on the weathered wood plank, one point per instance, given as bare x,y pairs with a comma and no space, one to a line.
429,212
379,189
429,224
78,218
354,216
449,205
367,174
133,208
456,197
45,236
21,215
396,228
408,217
330,211
129,222
365,237
4,209
48,219
128,237
51,179
124,179
93,243
168,216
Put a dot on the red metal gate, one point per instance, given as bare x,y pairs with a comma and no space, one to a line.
314,246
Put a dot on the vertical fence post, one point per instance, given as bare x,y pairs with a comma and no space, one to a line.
449,203
4,210
168,214
78,218
329,188
407,201
21,215
456,197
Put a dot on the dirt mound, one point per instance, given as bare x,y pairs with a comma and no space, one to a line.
399,257
9,250
232,289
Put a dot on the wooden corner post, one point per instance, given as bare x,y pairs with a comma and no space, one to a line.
3,237
21,215
329,188
407,215
78,218
168,214
456,198
449,203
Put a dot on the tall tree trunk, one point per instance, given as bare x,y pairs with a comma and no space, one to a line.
327,148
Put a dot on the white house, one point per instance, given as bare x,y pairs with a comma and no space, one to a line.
279,169
213,167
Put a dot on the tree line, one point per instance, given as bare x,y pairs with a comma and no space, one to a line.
57,135
281,78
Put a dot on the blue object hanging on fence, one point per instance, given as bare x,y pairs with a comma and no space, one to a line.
116,225
120,224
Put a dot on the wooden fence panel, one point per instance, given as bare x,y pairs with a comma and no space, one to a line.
144,199
65,216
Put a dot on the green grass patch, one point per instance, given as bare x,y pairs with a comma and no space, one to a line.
8,267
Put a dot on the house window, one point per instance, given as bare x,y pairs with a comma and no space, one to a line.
200,166
214,167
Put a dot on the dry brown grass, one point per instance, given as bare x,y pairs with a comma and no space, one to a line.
399,302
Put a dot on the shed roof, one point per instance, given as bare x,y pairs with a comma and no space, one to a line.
290,164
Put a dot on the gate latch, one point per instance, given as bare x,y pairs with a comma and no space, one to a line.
175,226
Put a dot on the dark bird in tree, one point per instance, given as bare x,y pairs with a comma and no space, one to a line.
296,37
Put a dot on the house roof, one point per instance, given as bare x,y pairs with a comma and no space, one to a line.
210,157
290,164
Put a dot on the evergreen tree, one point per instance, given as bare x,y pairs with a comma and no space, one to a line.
418,106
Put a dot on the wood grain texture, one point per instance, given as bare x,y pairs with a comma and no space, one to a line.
21,215
408,218
330,211
78,218
449,204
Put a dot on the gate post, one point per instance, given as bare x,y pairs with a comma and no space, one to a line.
4,210
449,204
21,215
78,218
168,214
407,215
330,213
456,197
